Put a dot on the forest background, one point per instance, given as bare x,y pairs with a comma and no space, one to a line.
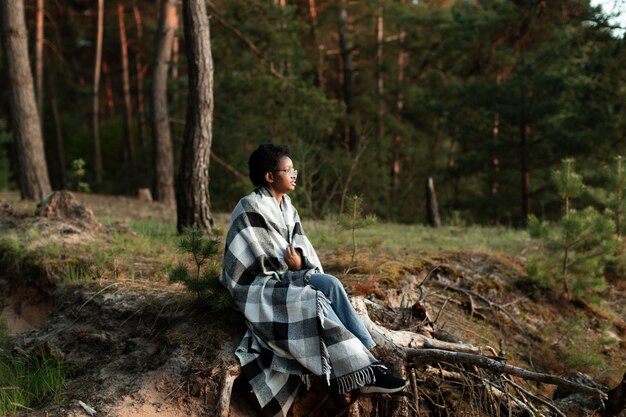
485,97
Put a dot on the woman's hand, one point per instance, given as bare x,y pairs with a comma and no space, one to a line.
293,258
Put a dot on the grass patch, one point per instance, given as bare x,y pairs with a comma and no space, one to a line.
27,380
154,229
401,238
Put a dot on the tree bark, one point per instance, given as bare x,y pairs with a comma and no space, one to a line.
161,132
129,147
523,152
39,58
351,140
193,206
139,74
33,169
495,167
320,46
380,84
97,154
59,141
396,167
432,207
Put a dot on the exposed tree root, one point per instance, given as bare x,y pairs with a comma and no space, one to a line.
226,388
419,351
459,362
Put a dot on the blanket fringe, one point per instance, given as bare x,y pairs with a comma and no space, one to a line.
306,380
356,379
321,313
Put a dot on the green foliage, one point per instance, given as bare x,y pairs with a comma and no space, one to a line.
583,344
353,219
5,172
460,84
28,379
77,176
203,276
576,251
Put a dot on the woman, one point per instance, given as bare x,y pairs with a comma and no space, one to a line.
300,321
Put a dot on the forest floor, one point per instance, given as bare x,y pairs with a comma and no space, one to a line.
135,345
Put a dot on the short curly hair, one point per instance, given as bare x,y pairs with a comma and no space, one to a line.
265,159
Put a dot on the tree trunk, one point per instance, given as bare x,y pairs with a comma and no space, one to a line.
523,149
432,207
59,141
33,170
380,84
139,73
318,43
396,168
129,147
161,132
619,191
97,154
525,171
193,206
346,47
495,168
108,90
39,58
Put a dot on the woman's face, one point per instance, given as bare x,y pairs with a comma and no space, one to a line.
283,179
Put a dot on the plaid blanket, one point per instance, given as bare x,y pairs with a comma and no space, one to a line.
289,336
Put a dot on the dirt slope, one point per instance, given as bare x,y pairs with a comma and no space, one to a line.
140,348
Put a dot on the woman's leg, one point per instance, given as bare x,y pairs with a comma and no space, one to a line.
334,291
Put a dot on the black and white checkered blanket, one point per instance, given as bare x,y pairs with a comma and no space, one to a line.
289,336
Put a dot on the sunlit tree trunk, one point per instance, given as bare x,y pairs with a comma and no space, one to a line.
97,154
161,132
129,147
39,58
193,206
33,169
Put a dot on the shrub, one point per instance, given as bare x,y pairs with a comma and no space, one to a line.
353,219
203,278
576,251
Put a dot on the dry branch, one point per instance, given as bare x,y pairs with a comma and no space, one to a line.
399,340
421,350
429,356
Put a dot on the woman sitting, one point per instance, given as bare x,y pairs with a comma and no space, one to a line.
300,321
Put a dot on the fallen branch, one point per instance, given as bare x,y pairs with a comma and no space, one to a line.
469,293
535,397
399,340
428,356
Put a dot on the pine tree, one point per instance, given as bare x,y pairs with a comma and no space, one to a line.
203,276
353,219
575,251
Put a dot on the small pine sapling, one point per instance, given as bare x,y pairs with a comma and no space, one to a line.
77,176
203,276
576,251
353,218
